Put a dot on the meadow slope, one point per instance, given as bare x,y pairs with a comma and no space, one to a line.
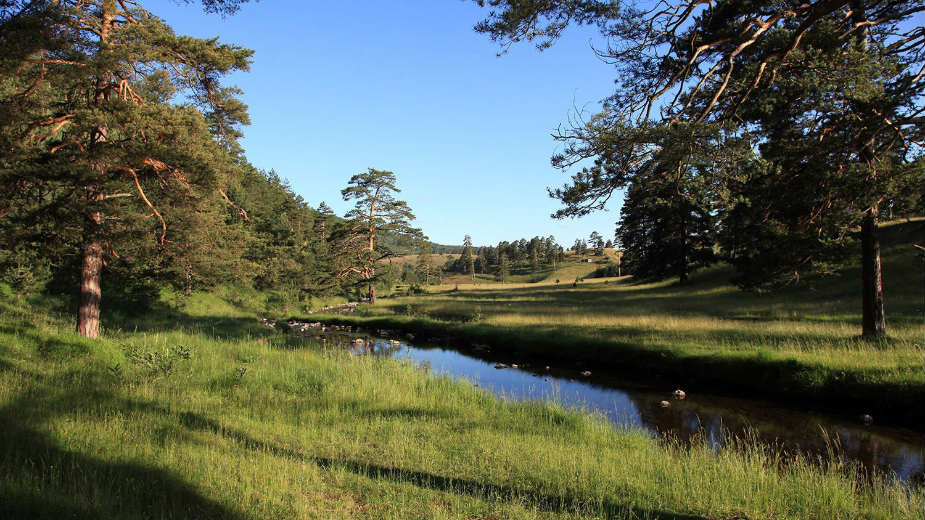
800,344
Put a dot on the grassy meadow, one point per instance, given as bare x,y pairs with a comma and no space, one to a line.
573,268
799,344
200,412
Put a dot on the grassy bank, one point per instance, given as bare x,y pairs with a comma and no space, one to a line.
203,413
800,344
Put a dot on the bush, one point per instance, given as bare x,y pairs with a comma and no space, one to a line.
158,364
462,316
607,271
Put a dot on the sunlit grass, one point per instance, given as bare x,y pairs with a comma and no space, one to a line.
257,424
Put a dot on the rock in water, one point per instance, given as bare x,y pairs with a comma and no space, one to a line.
664,404
679,394
586,373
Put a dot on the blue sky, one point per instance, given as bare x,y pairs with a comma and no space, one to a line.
408,86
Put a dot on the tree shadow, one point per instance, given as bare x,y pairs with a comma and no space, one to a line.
554,503
42,479
168,319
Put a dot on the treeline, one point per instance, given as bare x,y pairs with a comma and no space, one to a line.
595,244
270,240
771,211
529,255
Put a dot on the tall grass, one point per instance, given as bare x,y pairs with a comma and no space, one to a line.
206,414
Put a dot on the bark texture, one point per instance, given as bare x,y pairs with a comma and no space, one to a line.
874,318
88,314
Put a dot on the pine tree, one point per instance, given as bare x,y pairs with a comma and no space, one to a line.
376,211
504,268
711,62
596,242
423,265
91,112
467,260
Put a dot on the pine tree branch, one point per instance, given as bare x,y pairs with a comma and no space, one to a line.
233,205
145,199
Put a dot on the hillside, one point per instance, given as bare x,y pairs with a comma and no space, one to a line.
574,266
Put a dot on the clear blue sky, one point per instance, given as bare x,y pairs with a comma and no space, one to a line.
408,86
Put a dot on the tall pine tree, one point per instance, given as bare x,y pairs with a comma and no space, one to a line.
107,126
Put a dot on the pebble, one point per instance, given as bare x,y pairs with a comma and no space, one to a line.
664,404
586,373
679,394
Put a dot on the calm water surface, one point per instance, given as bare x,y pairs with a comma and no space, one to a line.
890,450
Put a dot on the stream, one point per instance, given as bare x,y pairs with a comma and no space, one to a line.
715,418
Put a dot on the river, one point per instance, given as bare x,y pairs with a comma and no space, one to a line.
716,419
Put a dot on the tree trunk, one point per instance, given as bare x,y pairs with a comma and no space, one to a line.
189,279
683,268
873,319
372,292
88,314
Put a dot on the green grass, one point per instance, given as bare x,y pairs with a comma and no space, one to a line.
799,344
203,413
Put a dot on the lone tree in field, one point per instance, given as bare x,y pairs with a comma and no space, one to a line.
376,211
504,268
850,72
596,241
468,259
423,265
111,125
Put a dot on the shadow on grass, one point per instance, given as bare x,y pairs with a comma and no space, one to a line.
564,503
167,319
41,479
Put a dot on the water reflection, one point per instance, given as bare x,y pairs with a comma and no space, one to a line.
697,417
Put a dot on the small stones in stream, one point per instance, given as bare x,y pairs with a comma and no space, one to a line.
664,404
500,366
866,419
586,373
679,394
